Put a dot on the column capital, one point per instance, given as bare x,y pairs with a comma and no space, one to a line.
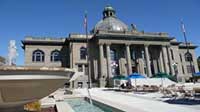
100,44
127,44
147,61
146,45
165,45
107,43
168,46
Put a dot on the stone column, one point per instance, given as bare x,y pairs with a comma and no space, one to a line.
155,66
170,61
83,68
102,82
128,59
147,60
161,68
165,59
71,55
109,73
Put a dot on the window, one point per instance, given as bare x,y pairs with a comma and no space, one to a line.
38,56
188,57
80,84
183,70
190,69
83,53
80,68
172,54
133,56
55,56
113,55
86,70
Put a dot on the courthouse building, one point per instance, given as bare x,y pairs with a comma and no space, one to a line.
113,49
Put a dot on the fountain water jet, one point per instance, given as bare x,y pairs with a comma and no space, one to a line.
12,53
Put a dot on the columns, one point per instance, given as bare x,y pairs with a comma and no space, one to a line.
165,59
102,77
170,61
155,65
83,67
128,59
161,68
147,60
109,73
101,59
71,55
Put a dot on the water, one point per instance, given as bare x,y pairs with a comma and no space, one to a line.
80,105
12,53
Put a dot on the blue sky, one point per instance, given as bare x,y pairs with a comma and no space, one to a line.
58,18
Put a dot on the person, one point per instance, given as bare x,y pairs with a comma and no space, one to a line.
122,86
128,85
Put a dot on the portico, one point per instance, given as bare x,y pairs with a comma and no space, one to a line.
142,56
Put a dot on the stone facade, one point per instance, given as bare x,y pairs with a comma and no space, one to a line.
113,51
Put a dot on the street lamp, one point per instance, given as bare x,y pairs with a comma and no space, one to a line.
114,65
175,69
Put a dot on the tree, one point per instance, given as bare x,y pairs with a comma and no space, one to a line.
2,60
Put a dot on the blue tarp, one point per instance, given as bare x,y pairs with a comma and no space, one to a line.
197,74
135,76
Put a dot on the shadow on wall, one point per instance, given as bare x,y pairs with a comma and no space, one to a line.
65,58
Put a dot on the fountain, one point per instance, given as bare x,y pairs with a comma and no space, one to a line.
21,85
12,53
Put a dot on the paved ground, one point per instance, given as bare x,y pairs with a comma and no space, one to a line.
129,103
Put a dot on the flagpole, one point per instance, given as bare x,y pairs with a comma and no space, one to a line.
187,47
87,46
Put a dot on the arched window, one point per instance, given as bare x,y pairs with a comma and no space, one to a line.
113,55
83,53
55,56
188,57
38,56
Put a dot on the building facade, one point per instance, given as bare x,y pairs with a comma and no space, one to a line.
112,49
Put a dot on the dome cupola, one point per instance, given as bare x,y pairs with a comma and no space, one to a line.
110,22
108,11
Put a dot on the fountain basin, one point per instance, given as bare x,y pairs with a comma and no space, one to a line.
21,85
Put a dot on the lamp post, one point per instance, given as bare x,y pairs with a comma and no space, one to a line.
175,70
114,65
188,52
88,63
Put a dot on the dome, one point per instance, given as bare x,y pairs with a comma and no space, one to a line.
110,22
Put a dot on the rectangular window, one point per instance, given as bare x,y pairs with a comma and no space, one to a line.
86,69
190,69
80,68
183,70
80,84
